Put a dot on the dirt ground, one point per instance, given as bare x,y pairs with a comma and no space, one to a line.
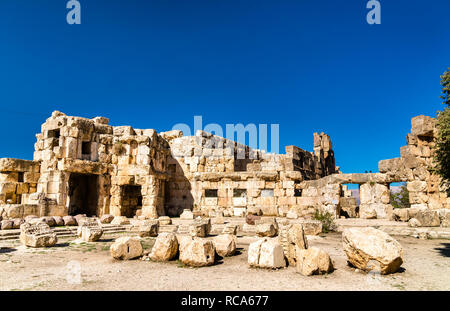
426,267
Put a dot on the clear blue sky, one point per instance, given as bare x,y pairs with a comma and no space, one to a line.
308,65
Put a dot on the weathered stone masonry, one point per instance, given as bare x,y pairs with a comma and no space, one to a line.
413,167
85,166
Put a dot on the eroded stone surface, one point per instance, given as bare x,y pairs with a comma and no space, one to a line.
364,246
225,244
37,235
126,248
313,261
197,252
266,253
90,230
165,247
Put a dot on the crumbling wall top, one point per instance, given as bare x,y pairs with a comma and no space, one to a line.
18,165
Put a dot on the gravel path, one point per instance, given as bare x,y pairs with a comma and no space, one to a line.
426,267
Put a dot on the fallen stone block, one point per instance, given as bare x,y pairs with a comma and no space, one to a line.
106,219
230,229
444,216
187,214
266,230
70,221
49,221
250,219
59,221
292,236
126,248
197,253
370,249
164,220
198,230
206,222
90,230
414,223
120,220
313,261
18,222
7,224
266,253
428,218
37,235
312,227
401,214
148,228
256,211
79,217
225,244
165,247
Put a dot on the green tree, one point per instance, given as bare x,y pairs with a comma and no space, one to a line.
445,82
442,147
400,199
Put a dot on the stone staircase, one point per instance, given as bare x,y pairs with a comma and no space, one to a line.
65,231
182,227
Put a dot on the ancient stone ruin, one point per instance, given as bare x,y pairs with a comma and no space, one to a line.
85,166
180,189
37,235
89,230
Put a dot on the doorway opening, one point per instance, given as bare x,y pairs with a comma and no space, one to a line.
83,194
349,201
131,200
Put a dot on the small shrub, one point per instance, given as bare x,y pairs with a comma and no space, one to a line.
400,199
327,220
118,148
181,264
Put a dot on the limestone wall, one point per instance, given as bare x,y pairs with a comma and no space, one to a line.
87,166
71,148
425,190
329,194
18,179
210,173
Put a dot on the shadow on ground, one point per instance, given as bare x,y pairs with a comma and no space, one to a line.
106,240
61,244
4,250
445,250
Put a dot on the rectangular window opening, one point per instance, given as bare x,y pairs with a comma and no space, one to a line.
86,147
53,133
239,193
210,193
267,193
20,177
